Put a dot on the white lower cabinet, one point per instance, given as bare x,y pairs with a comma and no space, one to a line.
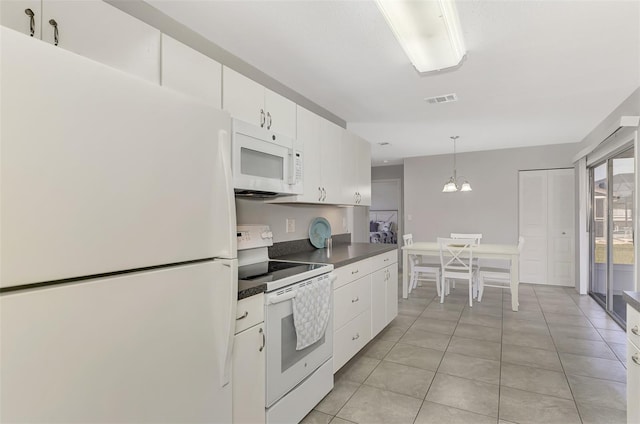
249,362
348,340
365,301
633,365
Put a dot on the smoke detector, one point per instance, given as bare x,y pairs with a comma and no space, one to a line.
445,98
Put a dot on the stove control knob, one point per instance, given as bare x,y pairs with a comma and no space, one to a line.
267,234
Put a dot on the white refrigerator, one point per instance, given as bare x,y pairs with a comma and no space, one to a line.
118,270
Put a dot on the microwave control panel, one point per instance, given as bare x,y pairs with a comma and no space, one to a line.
297,166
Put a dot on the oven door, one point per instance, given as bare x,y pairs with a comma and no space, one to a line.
286,366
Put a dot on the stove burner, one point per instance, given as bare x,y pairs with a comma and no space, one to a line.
273,270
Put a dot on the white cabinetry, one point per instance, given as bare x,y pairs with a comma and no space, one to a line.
249,362
363,177
190,72
249,101
91,28
356,170
633,365
384,290
365,301
22,15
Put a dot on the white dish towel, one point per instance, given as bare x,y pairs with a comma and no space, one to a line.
311,312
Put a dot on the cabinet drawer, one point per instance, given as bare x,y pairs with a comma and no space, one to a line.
633,325
351,300
351,272
348,340
250,312
384,260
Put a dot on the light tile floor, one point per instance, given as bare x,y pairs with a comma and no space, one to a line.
560,359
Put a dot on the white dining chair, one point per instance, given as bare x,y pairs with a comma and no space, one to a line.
456,262
420,269
477,237
499,277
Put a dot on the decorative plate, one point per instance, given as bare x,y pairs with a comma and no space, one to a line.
319,231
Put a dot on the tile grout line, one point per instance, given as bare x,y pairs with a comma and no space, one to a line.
559,359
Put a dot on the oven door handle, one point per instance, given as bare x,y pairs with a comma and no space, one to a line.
282,298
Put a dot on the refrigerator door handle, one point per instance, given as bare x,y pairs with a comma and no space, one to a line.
229,321
224,149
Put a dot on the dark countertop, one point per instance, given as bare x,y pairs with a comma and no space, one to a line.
250,288
341,254
632,298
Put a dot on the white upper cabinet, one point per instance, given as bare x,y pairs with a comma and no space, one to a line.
356,170
308,136
99,31
249,101
90,28
363,160
349,168
191,72
281,113
330,161
22,15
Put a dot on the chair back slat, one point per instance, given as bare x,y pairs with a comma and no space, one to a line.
477,237
456,256
408,239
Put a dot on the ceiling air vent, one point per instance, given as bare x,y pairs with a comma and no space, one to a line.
446,98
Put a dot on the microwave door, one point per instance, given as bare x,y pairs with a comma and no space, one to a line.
259,165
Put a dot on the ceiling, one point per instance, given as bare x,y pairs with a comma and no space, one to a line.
536,72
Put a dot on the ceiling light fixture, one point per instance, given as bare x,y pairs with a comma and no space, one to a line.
452,185
428,31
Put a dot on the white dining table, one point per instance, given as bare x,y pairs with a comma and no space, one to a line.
482,251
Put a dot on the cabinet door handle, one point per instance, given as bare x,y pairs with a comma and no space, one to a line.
355,272
32,21
324,194
319,194
54,24
269,120
356,337
262,118
246,314
636,358
355,299
264,340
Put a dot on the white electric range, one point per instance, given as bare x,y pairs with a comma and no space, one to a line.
296,380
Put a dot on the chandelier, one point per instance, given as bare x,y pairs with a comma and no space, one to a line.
452,185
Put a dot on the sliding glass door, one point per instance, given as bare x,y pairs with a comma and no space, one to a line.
612,185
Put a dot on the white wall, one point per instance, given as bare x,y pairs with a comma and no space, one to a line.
491,208
275,215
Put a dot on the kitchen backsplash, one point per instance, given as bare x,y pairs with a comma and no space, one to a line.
276,215
303,245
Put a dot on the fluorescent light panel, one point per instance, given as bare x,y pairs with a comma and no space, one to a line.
428,31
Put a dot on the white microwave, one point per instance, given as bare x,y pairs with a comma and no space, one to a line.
264,163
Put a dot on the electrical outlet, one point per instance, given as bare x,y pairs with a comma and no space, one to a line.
291,225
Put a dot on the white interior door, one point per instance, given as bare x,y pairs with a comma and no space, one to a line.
533,226
561,228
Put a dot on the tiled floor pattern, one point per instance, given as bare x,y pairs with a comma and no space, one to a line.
560,359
